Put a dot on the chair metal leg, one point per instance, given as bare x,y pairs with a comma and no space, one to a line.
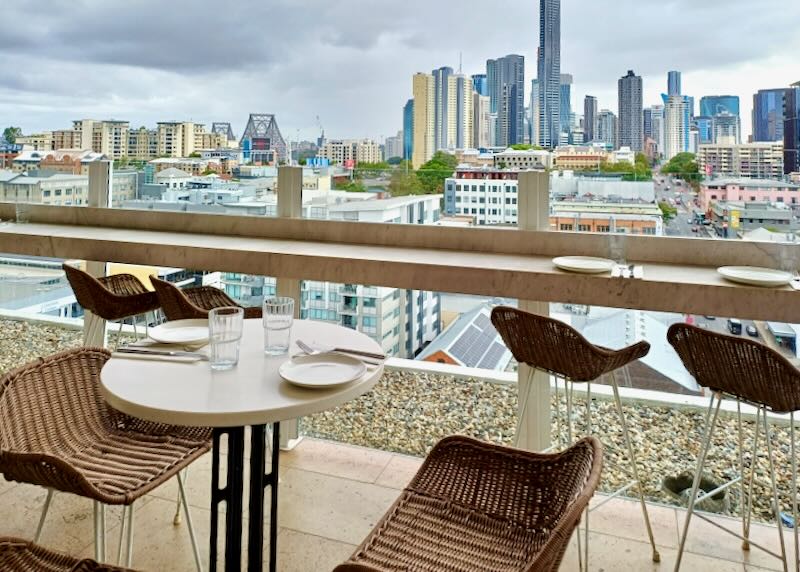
45,510
775,498
122,522
749,509
96,514
176,520
746,541
632,456
103,532
588,433
524,405
119,334
701,459
195,550
129,543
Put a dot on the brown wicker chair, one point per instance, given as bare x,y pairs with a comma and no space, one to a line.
554,347
477,506
746,371
56,431
22,556
112,298
194,303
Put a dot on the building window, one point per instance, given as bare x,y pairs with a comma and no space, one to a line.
584,227
565,227
603,228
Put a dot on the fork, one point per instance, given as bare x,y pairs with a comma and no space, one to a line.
367,357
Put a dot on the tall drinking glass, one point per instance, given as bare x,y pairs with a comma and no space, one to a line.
225,334
278,318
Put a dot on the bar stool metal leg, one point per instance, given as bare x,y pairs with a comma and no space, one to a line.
632,456
775,498
710,422
42,518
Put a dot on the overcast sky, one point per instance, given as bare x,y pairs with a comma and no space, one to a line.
350,62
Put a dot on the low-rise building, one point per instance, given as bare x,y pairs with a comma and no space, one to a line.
731,218
38,141
523,159
623,155
749,190
748,160
579,157
54,189
602,216
71,161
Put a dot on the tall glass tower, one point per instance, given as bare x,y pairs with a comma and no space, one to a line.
768,114
674,83
711,105
408,130
505,79
631,115
549,72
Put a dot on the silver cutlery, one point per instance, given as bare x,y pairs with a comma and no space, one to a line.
363,355
157,352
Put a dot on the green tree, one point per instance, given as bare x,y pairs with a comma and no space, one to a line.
302,161
354,186
525,147
194,155
372,170
209,171
404,181
433,173
667,211
395,161
10,134
684,166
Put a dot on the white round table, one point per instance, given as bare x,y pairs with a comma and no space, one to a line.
251,394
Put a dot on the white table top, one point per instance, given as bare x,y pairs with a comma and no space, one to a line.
252,393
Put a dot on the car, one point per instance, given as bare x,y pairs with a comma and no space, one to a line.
689,220
751,331
695,228
667,188
710,317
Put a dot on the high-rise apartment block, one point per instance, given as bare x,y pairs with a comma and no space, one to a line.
673,83
631,133
676,126
589,118
533,122
175,138
506,82
143,144
424,119
393,148
607,129
481,121
408,129
726,128
761,160
452,110
565,103
548,67
791,129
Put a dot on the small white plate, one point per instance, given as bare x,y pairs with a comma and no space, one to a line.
584,264
322,370
187,332
755,276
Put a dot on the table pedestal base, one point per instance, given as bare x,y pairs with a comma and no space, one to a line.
232,495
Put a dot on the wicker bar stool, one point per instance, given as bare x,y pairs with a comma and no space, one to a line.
552,346
18,555
113,298
194,303
479,506
57,431
749,372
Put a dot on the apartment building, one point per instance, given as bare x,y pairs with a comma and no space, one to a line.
763,160
109,137
175,138
38,142
351,152
66,139
142,144
423,148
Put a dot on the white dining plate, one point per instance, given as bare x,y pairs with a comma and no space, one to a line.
584,264
322,370
188,332
755,276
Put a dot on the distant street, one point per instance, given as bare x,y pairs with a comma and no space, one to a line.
679,195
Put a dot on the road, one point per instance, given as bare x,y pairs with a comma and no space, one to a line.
675,191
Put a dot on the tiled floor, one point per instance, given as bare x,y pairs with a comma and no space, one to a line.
330,497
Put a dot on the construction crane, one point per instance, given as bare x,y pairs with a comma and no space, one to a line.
321,138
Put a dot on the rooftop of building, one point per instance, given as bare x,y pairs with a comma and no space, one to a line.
383,204
749,183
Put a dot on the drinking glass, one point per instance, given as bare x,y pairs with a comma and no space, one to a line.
278,317
225,334
617,247
22,214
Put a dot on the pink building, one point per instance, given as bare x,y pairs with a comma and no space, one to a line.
748,190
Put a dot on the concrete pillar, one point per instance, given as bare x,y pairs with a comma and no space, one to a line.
100,178
533,213
290,205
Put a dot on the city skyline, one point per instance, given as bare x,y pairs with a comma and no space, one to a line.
323,62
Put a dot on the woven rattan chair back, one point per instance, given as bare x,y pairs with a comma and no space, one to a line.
111,297
194,303
57,431
18,555
479,506
737,366
551,345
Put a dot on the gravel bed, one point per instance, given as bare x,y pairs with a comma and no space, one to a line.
409,412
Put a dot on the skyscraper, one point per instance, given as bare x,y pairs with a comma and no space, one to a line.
711,105
565,103
452,109
657,127
768,114
442,103
424,119
607,129
676,125
791,129
589,118
479,83
631,133
506,82
674,83
481,126
534,108
408,130
726,128
548,68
